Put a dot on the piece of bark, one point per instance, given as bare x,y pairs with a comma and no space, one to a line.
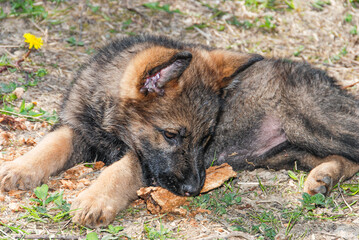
160,200
216,176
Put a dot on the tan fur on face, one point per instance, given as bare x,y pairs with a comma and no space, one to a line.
135,74
111,192
33,168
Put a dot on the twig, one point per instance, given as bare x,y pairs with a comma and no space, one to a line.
350,85
131,9
6,234
224,236
341,194
66,224
9,46
17,63
207,36
39,236
25,116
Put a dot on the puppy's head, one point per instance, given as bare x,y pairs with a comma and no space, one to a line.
171,100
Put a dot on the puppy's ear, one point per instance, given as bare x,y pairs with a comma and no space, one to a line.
229,64
150,70
157,77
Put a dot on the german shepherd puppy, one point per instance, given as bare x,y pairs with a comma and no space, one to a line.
160,111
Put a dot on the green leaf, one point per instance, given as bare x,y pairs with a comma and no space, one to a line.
292,175
41,192
74,42
157,7
92,236
41,72
318,199
114,229
22,106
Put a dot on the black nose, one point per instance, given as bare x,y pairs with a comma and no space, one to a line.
190,190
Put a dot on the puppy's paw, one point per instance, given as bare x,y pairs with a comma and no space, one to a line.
322,183
92,209
322,178
19,175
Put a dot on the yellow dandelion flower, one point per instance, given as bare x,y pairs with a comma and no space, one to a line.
33,41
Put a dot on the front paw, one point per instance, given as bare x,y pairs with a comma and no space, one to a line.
92,209
19,175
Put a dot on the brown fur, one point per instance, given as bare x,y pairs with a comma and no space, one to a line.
162,111
33,168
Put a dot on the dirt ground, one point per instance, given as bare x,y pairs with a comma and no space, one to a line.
322,33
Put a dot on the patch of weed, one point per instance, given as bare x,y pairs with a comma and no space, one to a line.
156,6
113,232
243,24
318,200
348,18
268,24
217,201
350,189
25,110
126,24
74,42
93,8
52,207
27,8
29,112
293,216
269,4
342,53
299,177
154,234
298,51
92,236
319,5
2,14
354,30
199,25
14,229
217,13
268,224
354,3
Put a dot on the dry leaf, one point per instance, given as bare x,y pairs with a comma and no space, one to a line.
216,176
98,165
30,141
19,92
12,122
77,171
5,138
17,193
15,207
160,200
68,184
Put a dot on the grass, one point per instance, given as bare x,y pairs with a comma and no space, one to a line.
156,6
218,200
160,233
47,207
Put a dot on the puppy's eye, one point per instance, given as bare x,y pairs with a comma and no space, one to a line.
169,135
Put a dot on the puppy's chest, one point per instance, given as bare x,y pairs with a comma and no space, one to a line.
240,141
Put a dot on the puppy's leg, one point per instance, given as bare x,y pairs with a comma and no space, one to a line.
327,172
34,167
111,192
